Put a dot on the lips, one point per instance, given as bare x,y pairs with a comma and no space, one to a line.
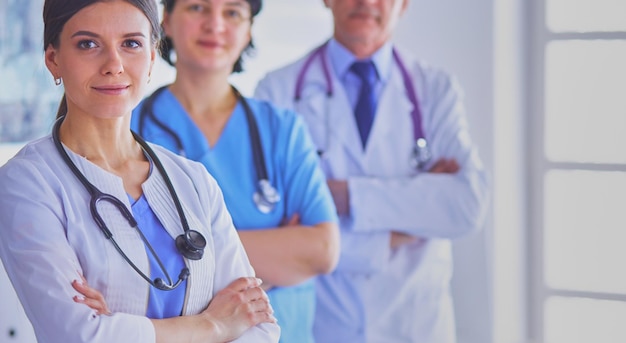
111,89
209,44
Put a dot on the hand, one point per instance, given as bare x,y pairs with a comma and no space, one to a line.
341,196
399,238
293,221
238,307
445,166
90,296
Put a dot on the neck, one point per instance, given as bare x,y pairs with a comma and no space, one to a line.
204,96
105,142
361,48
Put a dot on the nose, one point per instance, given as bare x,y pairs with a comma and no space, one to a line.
214,20
112,64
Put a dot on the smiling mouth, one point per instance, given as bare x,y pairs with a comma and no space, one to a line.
111,89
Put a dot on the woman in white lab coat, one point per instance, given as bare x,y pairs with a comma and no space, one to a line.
147,229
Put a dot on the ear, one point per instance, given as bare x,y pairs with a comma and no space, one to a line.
165,23
405,5
51,56
153,54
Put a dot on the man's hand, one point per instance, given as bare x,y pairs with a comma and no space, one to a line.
341,195
445,166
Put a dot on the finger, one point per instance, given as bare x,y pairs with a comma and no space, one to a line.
243,283
87,291
293,221
261,305
453,166
98,306
449,166
257,318
437,167
253,294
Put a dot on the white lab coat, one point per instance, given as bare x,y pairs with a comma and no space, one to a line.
49,237
376,294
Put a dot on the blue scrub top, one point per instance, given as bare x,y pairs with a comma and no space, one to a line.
293,169
161,304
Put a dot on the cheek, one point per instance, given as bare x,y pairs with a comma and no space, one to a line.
75,72
242,39
139,66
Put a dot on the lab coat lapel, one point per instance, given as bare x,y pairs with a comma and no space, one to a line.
330,119
392,129
342,125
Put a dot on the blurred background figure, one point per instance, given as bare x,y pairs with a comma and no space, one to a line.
405,177
262,157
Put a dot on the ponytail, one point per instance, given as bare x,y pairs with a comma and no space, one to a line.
62,111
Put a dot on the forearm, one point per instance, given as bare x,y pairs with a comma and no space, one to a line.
285,256
185,329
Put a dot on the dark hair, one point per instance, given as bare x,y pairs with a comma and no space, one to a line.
166,47
57,12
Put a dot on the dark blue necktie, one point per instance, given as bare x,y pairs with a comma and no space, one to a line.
366,103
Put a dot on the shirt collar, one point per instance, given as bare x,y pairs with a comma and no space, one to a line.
341,59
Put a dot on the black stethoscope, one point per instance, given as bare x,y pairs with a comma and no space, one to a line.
421,150
190,244
265,196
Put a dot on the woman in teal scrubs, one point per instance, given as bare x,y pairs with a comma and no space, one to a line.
293,236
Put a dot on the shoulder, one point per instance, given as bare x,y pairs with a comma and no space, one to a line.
171,160
267,112
288,72
430,75
290,68
35,167
37,153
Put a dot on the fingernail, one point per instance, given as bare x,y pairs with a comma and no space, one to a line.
79,298
259,281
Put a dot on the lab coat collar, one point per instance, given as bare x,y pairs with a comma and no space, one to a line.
341,59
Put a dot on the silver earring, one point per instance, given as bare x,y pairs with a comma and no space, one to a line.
57,81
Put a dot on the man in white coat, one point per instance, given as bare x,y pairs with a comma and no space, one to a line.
394,144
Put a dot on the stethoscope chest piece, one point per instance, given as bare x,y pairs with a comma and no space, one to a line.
191,244
266,197
421,154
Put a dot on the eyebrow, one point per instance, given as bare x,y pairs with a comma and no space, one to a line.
238,3
95,35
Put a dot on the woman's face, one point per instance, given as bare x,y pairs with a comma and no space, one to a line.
208,34
105,58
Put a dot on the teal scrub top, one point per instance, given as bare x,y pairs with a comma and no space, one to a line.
293,169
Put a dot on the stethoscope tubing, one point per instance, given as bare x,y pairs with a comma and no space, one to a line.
421,149
266,196
96,196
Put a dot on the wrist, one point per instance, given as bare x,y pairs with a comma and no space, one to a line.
211,330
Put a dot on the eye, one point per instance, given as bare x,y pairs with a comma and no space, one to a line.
196,8
86,44
233,14
132,43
